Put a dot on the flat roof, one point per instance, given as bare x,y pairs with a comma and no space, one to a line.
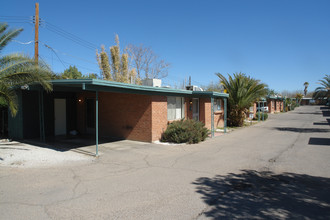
275,97
110,86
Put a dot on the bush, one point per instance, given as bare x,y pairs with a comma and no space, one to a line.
261,113
185,131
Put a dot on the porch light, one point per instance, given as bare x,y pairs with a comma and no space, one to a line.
79,100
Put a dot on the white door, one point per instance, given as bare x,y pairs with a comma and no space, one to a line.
196,109
60,116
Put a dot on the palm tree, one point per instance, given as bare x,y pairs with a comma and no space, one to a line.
271,92
17,70
243,92
306,84
324,90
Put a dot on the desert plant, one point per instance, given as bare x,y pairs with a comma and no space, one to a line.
306,84
17,70
185,131
243,92
324,90
261,113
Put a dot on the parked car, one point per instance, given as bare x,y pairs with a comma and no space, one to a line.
263,109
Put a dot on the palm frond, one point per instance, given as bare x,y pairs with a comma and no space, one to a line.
323,90
10,98
6,37
243,91
18,69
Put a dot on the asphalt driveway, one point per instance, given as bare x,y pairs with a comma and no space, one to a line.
277,169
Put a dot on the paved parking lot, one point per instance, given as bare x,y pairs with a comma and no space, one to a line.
276,169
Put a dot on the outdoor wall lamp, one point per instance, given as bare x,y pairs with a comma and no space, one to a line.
190,105
79,100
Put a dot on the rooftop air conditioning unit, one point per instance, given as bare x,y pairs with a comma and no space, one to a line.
152,82
194,88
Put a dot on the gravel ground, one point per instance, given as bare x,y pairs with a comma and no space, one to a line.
16,154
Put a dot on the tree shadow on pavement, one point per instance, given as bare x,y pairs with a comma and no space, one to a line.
309,113
265,195
325,111
327,122
319,141
302,130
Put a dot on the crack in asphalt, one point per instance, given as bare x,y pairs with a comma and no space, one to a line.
272,161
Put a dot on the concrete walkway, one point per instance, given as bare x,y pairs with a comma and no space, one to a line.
277,169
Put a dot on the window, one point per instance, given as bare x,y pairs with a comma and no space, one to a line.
175,108
217,105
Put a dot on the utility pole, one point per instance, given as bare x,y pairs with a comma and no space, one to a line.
36,34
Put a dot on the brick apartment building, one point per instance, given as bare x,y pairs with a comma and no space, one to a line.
110,109
274,104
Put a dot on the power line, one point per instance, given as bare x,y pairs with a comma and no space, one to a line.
18,22
71,64
55,54
8,16
70,36
66,54
75,36
29,42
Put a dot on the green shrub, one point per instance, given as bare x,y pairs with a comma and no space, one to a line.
261,113
185,131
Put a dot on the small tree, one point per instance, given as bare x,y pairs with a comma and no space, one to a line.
214,87
243,92
306,84
71,73
117,67
103,61
146,62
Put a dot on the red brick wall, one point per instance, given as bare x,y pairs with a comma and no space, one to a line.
254,111
120,115
138,117
188,108
205,111
278,106
271,106
218,119
218,116
159,116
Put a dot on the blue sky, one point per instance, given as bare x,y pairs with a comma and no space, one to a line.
282,43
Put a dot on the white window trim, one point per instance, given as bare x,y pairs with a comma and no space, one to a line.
215,107
172,114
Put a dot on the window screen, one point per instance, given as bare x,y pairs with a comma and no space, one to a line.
217,105
175,108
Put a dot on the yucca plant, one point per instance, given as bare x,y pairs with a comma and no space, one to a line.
243,92
17,70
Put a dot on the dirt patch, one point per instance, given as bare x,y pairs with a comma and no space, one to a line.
16,154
